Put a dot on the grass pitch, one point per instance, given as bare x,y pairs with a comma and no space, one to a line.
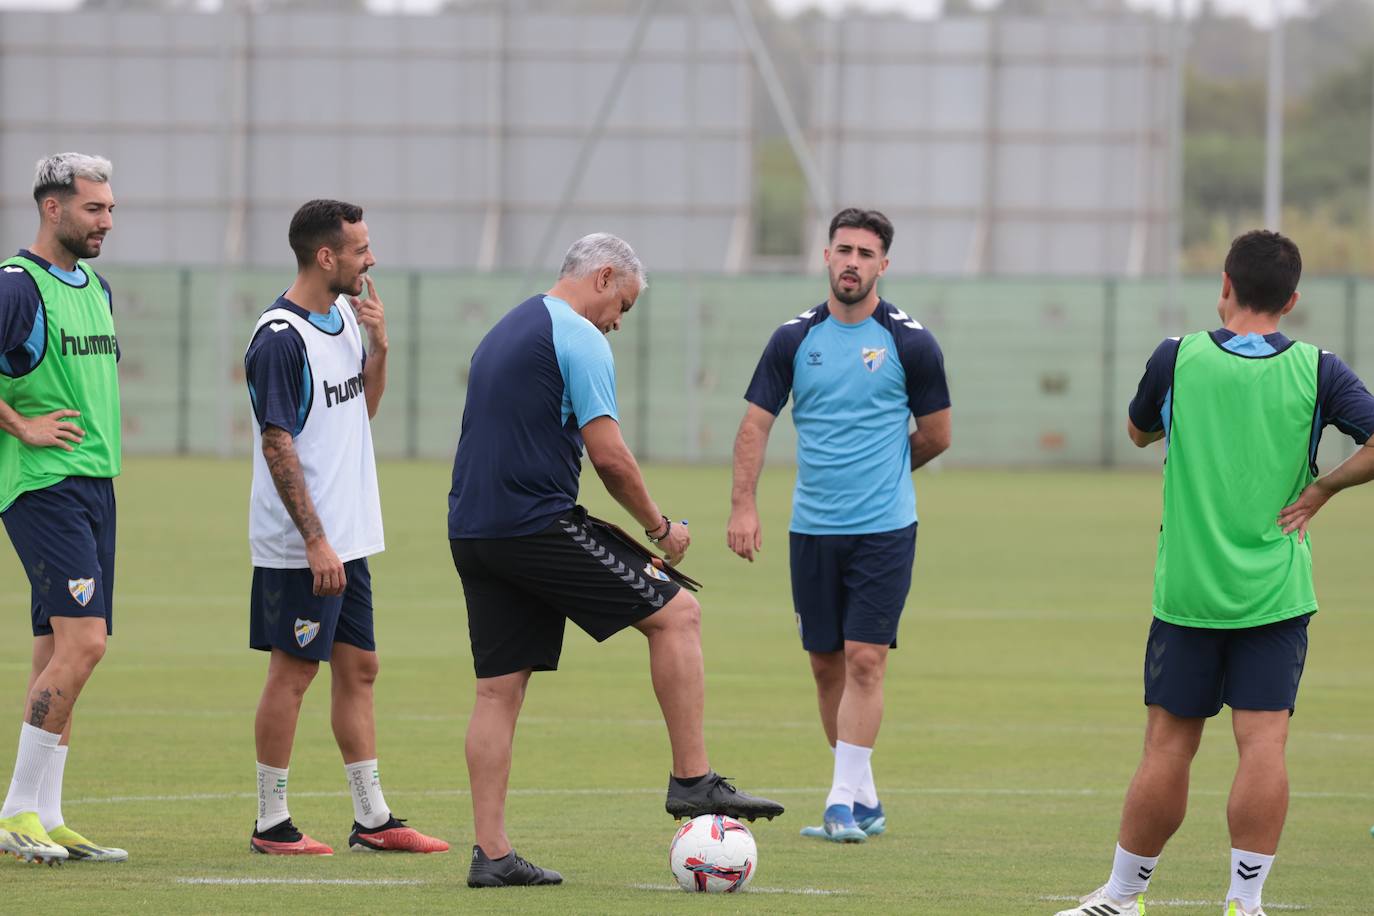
1013,718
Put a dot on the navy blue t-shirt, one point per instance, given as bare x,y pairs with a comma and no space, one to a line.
539,376
23,326
278,370
1342,399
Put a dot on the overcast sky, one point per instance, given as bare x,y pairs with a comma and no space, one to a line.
1259,11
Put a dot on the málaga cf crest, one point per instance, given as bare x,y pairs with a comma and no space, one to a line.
873,357
82,590
306,630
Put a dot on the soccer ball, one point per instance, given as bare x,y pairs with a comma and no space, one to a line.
713,854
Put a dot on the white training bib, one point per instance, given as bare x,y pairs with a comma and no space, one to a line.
335,451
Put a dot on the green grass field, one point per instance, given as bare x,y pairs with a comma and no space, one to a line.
1013,718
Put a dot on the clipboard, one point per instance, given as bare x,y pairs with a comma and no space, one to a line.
621,537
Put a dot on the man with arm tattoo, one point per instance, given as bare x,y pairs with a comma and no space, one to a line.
314,519
59,455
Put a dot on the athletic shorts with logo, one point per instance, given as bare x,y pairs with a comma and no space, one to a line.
286,615
1192,671
520,592
65,538
850,586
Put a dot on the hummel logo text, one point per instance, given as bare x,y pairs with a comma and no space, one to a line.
85,346
345,391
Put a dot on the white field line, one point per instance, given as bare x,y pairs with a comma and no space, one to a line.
801,891
734,724
1151,901
936,791
350,882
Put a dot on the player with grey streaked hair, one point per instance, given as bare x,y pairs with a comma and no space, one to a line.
601,249
57,174
541,390
60,451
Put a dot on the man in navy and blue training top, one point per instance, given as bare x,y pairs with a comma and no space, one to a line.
857,369
541,386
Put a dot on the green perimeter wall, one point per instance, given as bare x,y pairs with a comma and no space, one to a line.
1040,370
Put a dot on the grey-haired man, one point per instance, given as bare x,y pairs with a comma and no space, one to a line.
530,558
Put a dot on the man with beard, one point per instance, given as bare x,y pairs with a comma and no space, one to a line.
857,367
315,517
59,453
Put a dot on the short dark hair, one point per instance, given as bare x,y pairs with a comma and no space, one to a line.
872,220
1264,268
319,224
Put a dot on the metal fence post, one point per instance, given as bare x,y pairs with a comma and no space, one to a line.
1352,320
1109,342
183,402
641,435
413,368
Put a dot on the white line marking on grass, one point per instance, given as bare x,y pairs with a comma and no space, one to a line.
723,724
803,891
349,882
957,792
1153,902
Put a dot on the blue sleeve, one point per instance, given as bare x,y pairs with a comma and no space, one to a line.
771,385
584,358
19,305
1147,408
927,389
1342,399
279,381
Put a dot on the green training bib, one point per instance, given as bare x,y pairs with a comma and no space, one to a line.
76,370
1240,428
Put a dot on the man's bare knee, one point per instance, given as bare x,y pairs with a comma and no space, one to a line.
682,613
1169,735
357,667
1260,732
503,690
79,642
290,675
828,668
865,664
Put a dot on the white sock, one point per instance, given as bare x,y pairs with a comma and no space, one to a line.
30,766
1248,871
271,797
851,761
867,793
50,792
365,786
1131,874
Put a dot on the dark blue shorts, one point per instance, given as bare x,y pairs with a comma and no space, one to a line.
286,615
850,586
1192,671
65,538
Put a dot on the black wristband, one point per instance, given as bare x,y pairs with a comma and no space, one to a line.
667,526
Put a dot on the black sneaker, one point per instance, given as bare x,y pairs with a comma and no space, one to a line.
712,794
285,840
508,871
393,836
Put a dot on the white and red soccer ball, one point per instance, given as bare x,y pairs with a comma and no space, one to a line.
713,854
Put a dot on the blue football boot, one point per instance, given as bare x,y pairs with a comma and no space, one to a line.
871,821
838,826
